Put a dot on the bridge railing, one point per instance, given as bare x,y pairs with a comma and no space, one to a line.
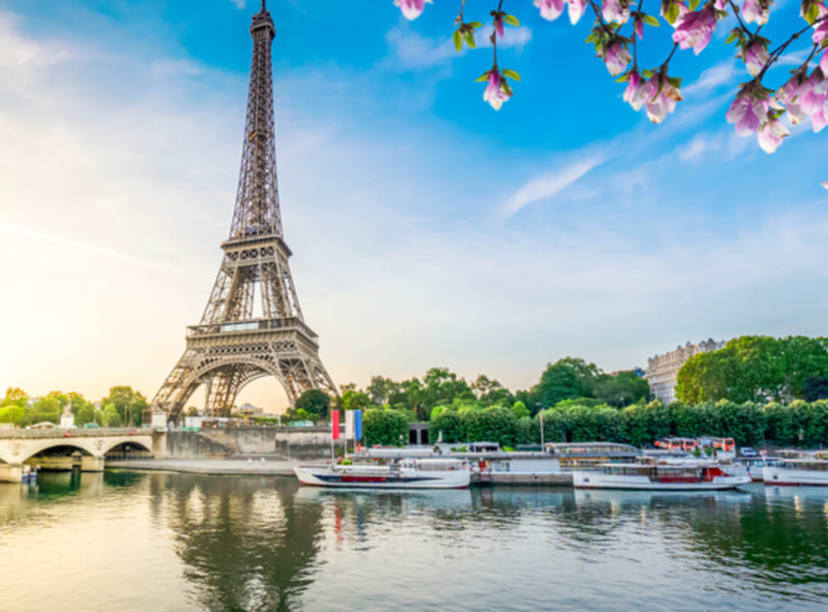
58,432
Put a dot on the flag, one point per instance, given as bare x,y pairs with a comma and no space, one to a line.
349,424
335,424
357,424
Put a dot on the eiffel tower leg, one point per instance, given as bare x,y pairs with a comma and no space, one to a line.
178,387
222,389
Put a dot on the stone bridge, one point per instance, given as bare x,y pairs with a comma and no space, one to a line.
89,447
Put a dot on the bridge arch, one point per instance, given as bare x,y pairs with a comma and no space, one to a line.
34,450
110,446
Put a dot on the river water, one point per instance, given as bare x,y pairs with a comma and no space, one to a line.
159,541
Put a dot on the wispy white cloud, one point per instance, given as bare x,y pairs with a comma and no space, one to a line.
35,236
714,77
413,50
513,38
548,185
239,4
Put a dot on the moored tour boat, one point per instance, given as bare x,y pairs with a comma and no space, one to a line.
408,473
810,472
674,476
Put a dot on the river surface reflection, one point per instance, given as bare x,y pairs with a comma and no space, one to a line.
154,541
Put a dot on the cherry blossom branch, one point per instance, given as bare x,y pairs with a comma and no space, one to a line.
777,53
739,18
756,109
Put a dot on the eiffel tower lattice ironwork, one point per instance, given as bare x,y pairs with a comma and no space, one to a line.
231,347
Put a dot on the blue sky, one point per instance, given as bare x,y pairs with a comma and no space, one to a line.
427,229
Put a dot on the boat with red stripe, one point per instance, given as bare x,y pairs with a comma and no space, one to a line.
686,475
409,473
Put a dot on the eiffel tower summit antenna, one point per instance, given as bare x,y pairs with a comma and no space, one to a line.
230,347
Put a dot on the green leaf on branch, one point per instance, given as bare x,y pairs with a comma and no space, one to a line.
623,78
734,35
813,13
590,38
672,13
483,76
458,41
694,4
511,74
470,40
474,25
675,82
647,73
650,20
511,20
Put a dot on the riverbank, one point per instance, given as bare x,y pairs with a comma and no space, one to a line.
239,467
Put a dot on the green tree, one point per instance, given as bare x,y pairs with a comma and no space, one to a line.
111,416
557,382
493,424
447,420
815,388
315,402
129,403
355,400
621,389
86,414
520,410
385,426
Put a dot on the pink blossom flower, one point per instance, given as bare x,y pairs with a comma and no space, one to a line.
498,25
720,5
756,10
550,9
823,62
616,10
411,9
695,29
747,112
659,103
497,91
639,26
814,99
755,56
821,30
789,96
633,93
576,9
771,134
616,57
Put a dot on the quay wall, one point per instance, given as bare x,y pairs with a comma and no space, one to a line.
295,442
194,445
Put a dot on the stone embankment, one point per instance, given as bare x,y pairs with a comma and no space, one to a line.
287,442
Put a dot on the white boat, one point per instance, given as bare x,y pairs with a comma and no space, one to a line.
755,466
668,476
409,473
811,472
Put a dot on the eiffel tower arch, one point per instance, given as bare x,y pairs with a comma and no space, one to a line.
230,347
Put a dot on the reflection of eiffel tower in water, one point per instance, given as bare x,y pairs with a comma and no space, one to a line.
230,347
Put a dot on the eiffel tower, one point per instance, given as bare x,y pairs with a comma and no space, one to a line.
230,347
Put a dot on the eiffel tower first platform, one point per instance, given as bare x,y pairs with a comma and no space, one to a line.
229,347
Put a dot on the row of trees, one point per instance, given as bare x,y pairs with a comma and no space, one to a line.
797,423
418,397
122,407
758,369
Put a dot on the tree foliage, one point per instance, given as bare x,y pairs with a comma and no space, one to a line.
315,403
385,426
756,369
